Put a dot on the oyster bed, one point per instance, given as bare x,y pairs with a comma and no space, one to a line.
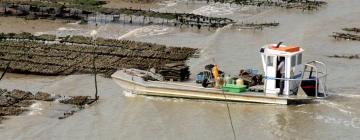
76,55
16,102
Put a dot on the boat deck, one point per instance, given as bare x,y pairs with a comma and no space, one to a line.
194,91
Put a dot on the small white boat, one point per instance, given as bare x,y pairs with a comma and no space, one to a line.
296,88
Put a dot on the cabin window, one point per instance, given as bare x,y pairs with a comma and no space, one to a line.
270,61
293,60
299,59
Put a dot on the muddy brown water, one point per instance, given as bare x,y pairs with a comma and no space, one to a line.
122,116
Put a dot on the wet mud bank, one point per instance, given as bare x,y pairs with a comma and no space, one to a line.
97,14
288,4
349,34
57,10
354,56
79,54
256,26
16,102
78,101
352,34
346,36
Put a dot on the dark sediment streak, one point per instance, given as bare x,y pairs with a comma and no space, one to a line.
346,36
256,25
353,56
354,29
351,34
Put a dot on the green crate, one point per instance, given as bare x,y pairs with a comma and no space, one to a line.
234,88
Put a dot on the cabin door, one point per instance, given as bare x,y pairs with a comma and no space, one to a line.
270,74
280,69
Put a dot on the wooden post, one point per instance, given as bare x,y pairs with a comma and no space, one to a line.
96,89
95,18
124,19
5,8
131,19
7,67
143,20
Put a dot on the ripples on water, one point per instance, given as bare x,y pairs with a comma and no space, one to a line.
152,30
35,109
216,9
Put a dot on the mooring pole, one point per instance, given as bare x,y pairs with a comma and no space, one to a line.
5,7
93,33
7,67
96,89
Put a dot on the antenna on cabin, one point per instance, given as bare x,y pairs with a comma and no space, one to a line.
278,45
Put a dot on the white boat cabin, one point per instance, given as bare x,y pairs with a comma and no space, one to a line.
276,74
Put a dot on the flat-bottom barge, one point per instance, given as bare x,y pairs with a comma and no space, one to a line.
287,87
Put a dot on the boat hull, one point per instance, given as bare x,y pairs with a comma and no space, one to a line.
181,90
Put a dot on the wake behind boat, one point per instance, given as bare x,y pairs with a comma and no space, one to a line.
285,81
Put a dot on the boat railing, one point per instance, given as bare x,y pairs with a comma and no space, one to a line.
319,69
320,76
